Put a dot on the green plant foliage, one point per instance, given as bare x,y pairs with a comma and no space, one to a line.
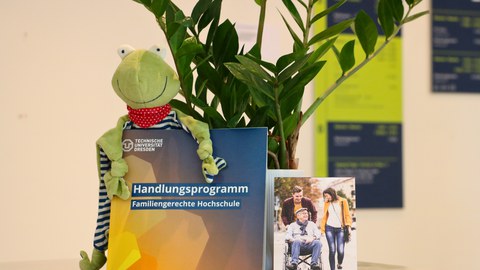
227,87
366,31
385,18
346,58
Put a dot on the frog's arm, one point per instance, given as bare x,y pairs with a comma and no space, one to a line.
111,144
201,132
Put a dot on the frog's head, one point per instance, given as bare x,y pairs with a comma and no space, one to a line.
143,79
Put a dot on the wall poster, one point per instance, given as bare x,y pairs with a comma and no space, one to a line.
456,46
359,127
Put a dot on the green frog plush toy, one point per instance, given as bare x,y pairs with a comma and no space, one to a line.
146,83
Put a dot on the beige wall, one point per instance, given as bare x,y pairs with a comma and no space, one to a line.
57,61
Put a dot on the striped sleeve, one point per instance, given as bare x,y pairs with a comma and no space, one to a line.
100,241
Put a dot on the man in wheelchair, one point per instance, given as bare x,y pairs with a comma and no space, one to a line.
304,237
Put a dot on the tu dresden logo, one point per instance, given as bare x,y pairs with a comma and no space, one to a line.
127,145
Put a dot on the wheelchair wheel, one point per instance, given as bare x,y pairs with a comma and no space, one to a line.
286,257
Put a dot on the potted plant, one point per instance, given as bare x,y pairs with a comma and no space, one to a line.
228,87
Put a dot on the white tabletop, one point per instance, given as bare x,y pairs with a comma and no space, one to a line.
72,264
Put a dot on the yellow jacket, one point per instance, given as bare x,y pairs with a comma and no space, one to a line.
347,218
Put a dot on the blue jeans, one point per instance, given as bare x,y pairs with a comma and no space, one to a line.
335,244
300,248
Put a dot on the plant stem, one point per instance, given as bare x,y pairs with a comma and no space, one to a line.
261,24
283,147
306,34
274,158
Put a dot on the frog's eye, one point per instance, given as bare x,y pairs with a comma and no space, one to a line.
158,51
125,50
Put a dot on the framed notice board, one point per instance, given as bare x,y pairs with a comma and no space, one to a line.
359,127
456,46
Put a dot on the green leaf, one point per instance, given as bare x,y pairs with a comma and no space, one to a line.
304,76
386,18
211,14
296,85
322,50
347,56
396,8
200,8
249,78
200,87
259,2
158,7
410,2
215,116
415,16
183,107
225,43
261,100
294,12
175,32
234,98
232,122
331,31
272,145
293,68
146,3
287,59
366,31
290,123
269,66
184,56
327,11
207,73
416,2
255,68
215,102
296,39
189,47
209,110
259,117
255,52
301,2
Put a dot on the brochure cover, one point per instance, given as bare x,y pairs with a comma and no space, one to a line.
174,219
309,214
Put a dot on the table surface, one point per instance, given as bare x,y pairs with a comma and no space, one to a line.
73,265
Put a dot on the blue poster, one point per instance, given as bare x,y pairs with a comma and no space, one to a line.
456,46
372,152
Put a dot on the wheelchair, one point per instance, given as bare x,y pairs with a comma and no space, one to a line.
303,259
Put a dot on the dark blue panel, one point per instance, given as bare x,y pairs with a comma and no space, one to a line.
456,46
372,153
456,4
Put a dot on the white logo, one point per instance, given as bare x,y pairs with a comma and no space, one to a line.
127,145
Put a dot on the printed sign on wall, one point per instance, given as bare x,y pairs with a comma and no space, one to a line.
359,127
456,46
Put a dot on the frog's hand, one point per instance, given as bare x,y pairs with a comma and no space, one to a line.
201,132
211,166
109,150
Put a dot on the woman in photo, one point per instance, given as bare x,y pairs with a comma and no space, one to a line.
336,217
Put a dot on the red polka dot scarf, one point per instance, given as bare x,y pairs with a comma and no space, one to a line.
148,117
